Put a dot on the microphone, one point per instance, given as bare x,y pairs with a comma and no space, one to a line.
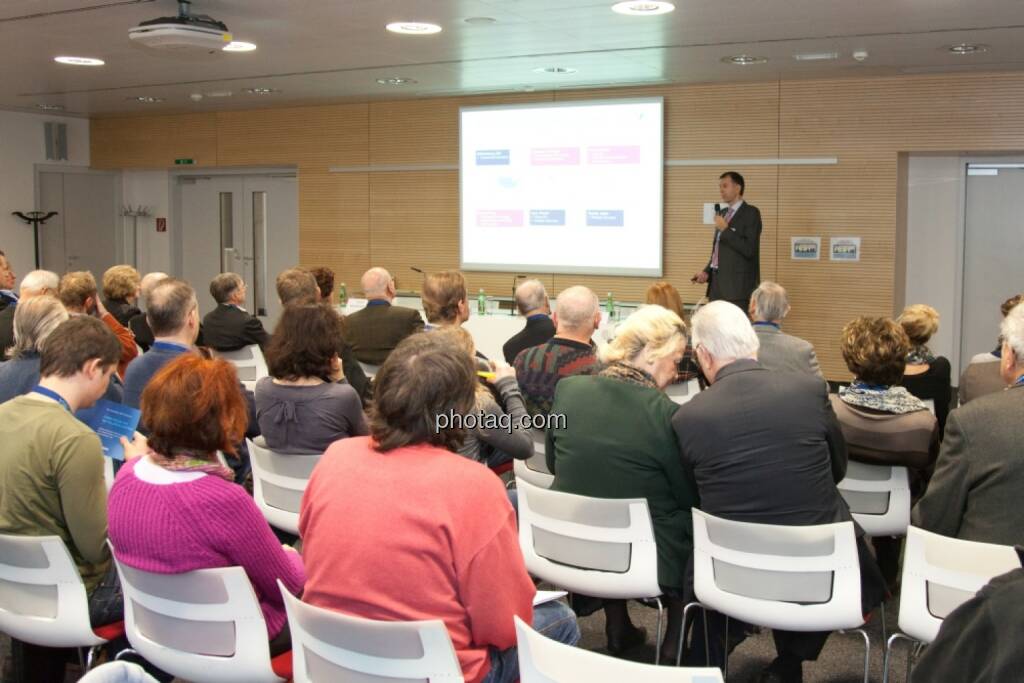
417,270
515,281
718,208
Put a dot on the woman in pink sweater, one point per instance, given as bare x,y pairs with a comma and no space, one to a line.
176,509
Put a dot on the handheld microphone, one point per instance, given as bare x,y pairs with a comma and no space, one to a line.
718,209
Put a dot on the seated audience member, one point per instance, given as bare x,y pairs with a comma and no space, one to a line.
595,454
982,376
121,286
883,423
447,547
173,315
51,468
444,299
376,330
78,293
301,407
570,352
979,641
779,351
496,445
532,303
665,295
230,327
138,324
324,277
7,281
975,491
764,447
297,287
175,508
926,376
36,283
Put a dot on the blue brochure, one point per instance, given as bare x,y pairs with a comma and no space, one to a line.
112,421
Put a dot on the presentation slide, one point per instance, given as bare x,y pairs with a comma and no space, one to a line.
571,187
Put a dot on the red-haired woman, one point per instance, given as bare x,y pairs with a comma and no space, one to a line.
176,509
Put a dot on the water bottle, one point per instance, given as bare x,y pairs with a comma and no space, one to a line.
609,306
342,295
481,302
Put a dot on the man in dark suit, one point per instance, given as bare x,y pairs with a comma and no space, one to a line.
532,302
975,491
230,327
375,331
765,447
36,283
734,268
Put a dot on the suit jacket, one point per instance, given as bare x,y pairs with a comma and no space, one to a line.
739,257
7,330
229,328
376,330
784,352
539,329
975,491
765,447
979,379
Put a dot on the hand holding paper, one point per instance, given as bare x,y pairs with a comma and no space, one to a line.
135,448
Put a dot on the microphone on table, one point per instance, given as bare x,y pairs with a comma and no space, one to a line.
515,282
417,270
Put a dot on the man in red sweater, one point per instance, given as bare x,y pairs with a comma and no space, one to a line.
397,527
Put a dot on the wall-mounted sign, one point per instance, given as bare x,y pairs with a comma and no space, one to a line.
184,162
161,225
845,248
805,248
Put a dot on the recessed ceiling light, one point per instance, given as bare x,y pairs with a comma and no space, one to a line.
396,80
641,8
79,61
554,70
478,21
967,48
260,91
413,28
145,99
816,56
744,60
239,46
51,107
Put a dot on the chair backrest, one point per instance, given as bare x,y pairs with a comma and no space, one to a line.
683,392
942,573
879,497
203,625
278,482
543,660
796,578
535,468
248,362
108,472
368,369
117,672
42,597
596,546
331,646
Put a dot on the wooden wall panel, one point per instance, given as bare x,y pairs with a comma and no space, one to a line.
153,141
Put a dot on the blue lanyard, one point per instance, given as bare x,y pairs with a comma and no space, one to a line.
766,323
169,346
1019,382
50,393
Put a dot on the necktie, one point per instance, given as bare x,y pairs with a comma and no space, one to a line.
718,236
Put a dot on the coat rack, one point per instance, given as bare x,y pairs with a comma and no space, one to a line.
135,213
35,219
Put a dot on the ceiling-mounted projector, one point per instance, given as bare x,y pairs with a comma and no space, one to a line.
187,31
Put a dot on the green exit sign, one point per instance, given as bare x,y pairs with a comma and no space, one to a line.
184,162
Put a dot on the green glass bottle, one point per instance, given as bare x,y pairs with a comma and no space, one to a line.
609,306
342,295
481,302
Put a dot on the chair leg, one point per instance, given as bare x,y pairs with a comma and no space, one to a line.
867,653
725,656
657,635
90,655
888,654
126,651
885,635
682,631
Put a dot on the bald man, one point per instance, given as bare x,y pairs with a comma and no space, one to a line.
532,302
376,330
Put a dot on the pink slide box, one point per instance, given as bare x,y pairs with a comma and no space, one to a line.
499,218
613,155
555,156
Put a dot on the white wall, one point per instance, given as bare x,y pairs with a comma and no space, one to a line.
934,233
22,145
150,189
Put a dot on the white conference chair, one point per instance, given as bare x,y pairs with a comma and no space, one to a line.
203,625
683,392
117,672
929,404
878,496
331,646
601,547
939,575
108,472
368,369
543,660
42,598
795,578
278,482
249,364
535,468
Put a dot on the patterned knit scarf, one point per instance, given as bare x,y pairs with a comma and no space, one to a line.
187,461
895,399
920,355
629,374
